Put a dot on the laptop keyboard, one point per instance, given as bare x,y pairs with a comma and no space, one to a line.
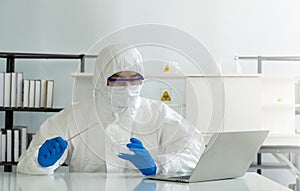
181,177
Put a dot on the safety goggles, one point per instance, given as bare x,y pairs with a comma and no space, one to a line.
119,81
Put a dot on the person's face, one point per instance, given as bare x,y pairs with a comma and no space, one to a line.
125,78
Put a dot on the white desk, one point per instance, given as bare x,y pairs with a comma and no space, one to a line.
280,144
131,182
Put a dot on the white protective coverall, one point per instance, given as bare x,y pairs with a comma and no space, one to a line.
174,143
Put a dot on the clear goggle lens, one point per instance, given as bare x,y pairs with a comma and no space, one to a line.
124,81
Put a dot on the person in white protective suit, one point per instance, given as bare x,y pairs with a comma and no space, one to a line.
160,141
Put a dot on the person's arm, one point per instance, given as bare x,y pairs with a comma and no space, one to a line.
52,127
182,160
182,145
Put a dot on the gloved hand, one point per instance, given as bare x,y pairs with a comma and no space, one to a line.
51,151
141,157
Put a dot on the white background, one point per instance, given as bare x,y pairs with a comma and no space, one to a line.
225,28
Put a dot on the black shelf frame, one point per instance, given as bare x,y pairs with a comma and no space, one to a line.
10,67
8,163
12,56
30,109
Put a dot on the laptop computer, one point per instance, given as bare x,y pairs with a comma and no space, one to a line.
228,155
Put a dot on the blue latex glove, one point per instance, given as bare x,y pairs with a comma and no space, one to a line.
51,151
141,157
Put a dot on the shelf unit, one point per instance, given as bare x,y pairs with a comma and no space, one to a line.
275,149
11,58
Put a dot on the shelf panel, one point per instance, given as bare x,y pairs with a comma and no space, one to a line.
8,163
82,74
16,163
175,104
39,55
279,105
30,109
269,166
158,75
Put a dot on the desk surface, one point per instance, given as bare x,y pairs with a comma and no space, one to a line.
130,182
282,139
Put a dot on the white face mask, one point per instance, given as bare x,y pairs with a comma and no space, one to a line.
124,96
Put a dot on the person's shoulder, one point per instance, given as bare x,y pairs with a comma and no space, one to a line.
63,113
70,109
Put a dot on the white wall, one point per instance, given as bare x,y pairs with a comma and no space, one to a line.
250,27
268,27
73,26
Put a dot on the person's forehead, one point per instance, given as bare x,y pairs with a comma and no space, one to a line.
126,74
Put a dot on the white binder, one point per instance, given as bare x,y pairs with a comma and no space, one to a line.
49,93
16,145
7,81
19,89
13,90
31,92
37,93
1,89
26,93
